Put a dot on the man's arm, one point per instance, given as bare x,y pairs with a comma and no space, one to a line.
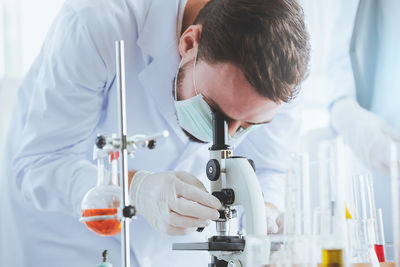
68,82
368,135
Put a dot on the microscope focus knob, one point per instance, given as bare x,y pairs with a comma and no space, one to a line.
213,169
226,196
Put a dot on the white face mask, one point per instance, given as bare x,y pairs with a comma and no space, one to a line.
195,115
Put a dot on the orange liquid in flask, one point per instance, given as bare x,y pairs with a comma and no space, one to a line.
107,227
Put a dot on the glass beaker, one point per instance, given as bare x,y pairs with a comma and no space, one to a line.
100,204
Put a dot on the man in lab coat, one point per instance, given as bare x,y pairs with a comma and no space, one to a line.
244,58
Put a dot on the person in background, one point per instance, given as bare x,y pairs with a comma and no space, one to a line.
354,73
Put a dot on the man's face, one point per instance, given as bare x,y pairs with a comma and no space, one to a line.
225,88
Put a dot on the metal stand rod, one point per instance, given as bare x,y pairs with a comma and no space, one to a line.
120,76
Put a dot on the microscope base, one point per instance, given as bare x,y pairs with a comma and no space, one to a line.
215,243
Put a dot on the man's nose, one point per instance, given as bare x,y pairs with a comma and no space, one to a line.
233,126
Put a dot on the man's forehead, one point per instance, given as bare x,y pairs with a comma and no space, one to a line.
227,90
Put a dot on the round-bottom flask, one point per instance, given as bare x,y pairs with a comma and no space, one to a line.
103,200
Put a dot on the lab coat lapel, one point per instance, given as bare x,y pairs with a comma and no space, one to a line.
159,43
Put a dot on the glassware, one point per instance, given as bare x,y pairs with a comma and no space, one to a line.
254,248
332,217
363,245
380,242
100,204
395,188
297,242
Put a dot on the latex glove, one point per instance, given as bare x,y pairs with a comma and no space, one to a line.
274,219
175,203
367,135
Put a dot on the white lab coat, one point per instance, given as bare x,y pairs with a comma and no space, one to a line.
68,96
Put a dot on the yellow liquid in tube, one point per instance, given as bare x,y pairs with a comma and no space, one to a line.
332,258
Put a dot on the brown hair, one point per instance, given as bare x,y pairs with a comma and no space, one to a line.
267,39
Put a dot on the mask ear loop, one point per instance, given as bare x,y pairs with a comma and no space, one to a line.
194,71
176,80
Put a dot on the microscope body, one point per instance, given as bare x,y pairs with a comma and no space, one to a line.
234,183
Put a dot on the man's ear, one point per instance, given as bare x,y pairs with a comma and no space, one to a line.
189,39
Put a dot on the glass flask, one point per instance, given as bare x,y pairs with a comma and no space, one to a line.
100,204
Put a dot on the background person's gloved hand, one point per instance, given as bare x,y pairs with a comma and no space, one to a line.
274,219
367,135
175,203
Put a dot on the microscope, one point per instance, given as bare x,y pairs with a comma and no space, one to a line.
234,183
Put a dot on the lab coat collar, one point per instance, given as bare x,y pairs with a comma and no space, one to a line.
158,40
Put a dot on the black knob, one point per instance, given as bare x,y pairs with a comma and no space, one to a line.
213,169
222,215
129,211
152,144
226,196
100,141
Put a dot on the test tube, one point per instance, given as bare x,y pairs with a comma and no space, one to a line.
100,170
298,243
367,222
380,244
332,223
372,220
394,176
305,175
298,196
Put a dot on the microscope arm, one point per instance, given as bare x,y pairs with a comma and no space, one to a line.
241,177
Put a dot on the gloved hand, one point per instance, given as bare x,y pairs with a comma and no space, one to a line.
175,203
274,219
367,135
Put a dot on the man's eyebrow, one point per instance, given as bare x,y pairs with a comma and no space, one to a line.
258,123
217,108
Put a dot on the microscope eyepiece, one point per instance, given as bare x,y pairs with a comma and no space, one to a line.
220,131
